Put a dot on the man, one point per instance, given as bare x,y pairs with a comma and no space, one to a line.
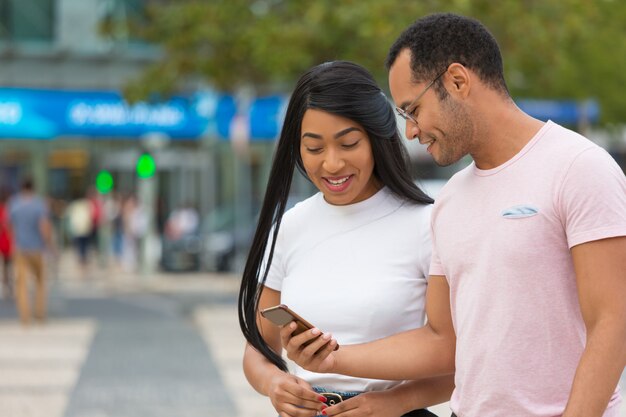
528,276
31,231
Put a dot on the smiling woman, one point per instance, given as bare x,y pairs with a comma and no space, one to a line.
337,157
367,228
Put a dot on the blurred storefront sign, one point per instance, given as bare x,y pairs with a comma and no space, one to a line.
47,114
568,112
266,117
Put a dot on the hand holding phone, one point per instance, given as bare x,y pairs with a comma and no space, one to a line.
281,315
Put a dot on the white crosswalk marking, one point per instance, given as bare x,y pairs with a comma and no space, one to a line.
39,366
220,330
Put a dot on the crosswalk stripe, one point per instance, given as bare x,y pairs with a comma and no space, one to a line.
39,366
226,346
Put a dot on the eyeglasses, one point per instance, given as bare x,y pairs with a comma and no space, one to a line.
408,113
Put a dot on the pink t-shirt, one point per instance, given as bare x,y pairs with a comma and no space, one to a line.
502,238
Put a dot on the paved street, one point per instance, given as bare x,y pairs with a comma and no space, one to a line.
125,346
119,346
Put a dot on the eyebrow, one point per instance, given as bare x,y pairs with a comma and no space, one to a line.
405,104
336,135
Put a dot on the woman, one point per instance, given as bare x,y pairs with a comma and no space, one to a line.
352,259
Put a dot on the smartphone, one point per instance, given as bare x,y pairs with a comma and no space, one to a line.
281,315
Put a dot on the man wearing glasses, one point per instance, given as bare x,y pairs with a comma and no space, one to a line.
526,301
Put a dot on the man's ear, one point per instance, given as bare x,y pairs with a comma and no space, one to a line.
459,79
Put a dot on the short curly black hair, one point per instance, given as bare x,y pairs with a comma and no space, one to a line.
440,39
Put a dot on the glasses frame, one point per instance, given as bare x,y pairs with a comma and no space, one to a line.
408,113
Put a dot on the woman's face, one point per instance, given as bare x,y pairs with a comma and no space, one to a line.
337,156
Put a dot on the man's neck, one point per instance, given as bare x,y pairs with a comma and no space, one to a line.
504,131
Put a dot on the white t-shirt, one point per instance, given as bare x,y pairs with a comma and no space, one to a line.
357,271
80,218
502,238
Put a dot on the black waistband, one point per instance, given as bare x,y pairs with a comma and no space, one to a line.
422,412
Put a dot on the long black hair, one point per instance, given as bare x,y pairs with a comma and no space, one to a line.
343,89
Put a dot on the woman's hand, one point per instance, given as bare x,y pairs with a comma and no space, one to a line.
369,404
294,397
312,349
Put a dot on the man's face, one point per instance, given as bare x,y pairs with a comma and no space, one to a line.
444,125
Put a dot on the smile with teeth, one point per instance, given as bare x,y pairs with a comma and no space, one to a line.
337,181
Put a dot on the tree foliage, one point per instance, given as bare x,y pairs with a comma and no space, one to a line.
571,49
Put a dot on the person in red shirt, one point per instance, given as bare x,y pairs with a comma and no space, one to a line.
6,246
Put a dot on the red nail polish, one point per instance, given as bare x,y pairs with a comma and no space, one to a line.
324,406
322,398
324,412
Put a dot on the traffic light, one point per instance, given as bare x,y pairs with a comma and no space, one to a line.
104,182
146,166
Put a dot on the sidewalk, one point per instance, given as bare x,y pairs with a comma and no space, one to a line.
115,346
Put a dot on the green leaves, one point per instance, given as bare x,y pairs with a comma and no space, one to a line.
551,49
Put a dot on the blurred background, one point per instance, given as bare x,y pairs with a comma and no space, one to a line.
149,126
170,109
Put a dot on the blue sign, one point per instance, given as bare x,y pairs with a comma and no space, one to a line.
266,117
561,111
224,114
19,119
46,114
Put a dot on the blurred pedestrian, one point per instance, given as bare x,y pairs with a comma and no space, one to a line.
527,294
80,227
353,258
183,221
115,216
135,221
32,233
6,244
97,217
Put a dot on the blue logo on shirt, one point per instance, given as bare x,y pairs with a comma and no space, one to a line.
518,212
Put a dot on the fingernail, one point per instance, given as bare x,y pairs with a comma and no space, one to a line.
327,336
324,412
322,398
315,331
324,406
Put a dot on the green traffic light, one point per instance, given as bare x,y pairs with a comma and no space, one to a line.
104,182
145,166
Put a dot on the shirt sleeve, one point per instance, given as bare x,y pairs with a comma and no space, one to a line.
592,198
425,242
436,268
